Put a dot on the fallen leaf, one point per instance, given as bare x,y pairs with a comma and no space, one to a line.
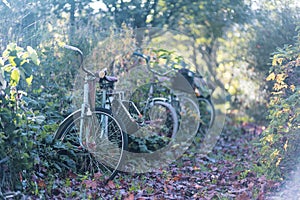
41,184
90,184
111,184
98,175
130,197
243,196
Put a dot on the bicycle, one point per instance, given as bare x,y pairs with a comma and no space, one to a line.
197,84
92,136
185,107
206,105
151,118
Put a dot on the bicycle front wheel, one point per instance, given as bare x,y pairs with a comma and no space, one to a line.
99,150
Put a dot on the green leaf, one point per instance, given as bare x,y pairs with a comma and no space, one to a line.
11,60
26,67
39,119
7,68
29,80
33,55
1,62
15,77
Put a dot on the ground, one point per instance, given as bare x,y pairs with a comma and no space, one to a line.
290,188
225,173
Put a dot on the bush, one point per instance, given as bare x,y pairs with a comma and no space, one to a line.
17,122
280,141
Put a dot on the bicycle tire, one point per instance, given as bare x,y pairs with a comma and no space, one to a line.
91,158
171,117
189,109
209,111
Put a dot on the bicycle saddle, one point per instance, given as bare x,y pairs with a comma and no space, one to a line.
102,75
111,78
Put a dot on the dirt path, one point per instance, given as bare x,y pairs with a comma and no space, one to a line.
291,189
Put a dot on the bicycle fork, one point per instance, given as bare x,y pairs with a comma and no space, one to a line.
104,119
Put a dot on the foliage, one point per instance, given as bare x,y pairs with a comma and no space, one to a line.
280,140
36,100
133,13
203,22
18,123
244,55
271,19
206,23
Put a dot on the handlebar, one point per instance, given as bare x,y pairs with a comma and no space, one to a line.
81,58
147,58
74,49
171,68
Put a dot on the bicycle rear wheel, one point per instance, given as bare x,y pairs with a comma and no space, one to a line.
189,111
161,122
103,144
208,113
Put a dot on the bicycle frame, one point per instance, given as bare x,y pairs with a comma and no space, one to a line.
89,95
86,106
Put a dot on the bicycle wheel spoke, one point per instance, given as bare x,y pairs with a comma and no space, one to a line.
102,139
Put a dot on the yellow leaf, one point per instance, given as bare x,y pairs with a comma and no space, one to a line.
280,78
274,154
12,61
292,87
276,93
274,62
278,113
271,77
285,145
61,44
285,110
279,60
14,77
278,86
278,162
232,90
269,138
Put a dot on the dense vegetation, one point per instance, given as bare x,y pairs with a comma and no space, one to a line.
229,42
279,142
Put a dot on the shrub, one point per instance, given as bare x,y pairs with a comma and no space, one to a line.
280,140
17,122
